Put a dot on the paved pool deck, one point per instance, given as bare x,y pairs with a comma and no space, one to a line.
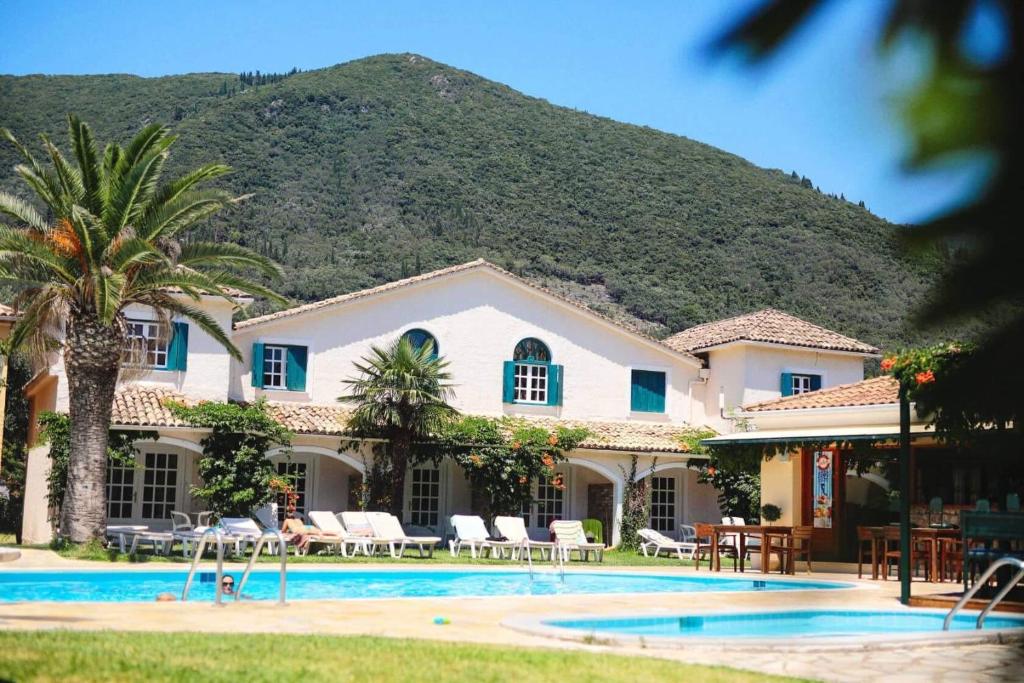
480,620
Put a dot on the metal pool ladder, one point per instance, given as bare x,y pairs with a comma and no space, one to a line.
524,549
983,580
218,536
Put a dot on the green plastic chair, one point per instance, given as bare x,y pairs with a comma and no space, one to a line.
982,505
1013,502
594,528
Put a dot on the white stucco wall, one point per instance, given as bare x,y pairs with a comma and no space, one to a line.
477,318
751,372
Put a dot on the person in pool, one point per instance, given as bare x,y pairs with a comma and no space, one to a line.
227,585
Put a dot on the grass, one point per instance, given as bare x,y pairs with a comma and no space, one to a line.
612,558
118,656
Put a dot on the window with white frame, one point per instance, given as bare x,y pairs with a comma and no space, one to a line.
801,384
531,383
425,498
297,476
120,490
663,503
147,344
274,367
550,500
159,485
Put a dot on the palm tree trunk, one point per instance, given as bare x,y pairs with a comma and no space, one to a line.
92,355
401,444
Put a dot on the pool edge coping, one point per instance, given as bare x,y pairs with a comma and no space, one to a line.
535,626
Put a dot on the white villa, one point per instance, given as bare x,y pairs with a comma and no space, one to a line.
514,349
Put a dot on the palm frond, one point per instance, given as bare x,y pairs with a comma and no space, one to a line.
165,302
130,253
18,250
22,211
198,254
108,294
85,153
170,191
144,142
69,177
177,214
129,194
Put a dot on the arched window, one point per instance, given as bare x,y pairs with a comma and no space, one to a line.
419,338
530,377
532,349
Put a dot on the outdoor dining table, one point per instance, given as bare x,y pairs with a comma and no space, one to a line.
741,531
933,536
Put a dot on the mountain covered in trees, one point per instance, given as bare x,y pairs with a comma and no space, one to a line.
388,166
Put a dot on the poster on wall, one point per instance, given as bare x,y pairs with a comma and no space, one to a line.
823,489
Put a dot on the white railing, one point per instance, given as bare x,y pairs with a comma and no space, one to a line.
218,535
282,550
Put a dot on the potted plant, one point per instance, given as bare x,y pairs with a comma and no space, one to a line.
770,513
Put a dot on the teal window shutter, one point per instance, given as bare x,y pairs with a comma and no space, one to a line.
177,352
815,382
295,371
508,392
555,376
647,391
257,365
787,384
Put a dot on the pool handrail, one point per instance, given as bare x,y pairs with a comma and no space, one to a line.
983,580
198,555
257,549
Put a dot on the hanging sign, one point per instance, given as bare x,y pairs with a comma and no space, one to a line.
822,473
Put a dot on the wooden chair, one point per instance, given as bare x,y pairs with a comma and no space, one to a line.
865,535
800,546
951,559
704,541
891,551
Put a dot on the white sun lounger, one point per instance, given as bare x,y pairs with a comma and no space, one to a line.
387,529
514,529
358,524
242,531
471,531
658,542
569,536
335,533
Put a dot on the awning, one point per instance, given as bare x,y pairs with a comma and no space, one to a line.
840,433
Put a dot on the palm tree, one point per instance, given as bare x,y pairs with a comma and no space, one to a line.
402,395
110,236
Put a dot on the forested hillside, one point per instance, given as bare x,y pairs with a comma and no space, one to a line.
387,166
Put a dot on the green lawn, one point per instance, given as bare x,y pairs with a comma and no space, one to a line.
613,558
117,656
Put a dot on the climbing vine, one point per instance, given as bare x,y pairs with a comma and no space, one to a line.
502,456
237,476
55,430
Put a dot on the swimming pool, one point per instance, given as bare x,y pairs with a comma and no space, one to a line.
145,585
818,623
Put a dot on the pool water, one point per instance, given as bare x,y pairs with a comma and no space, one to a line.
817,623
144,586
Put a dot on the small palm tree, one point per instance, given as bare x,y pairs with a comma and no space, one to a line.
108,237
402,395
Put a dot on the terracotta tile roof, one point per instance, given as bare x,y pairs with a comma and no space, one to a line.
433,275
143,406
882,390
770,326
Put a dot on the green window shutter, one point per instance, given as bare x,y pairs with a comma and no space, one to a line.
508,393
647,391
787,384
555,375
815,382
257,365
295,372
177,352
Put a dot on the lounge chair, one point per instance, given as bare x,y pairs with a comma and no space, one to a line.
471,531
658,542
388,530
514,529
183,531
241,531
335,533
569,537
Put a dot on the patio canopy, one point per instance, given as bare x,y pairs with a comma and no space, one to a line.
836,433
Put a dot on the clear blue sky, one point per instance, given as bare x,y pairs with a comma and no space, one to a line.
821,108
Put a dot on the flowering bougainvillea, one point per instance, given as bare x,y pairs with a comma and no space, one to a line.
502,457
